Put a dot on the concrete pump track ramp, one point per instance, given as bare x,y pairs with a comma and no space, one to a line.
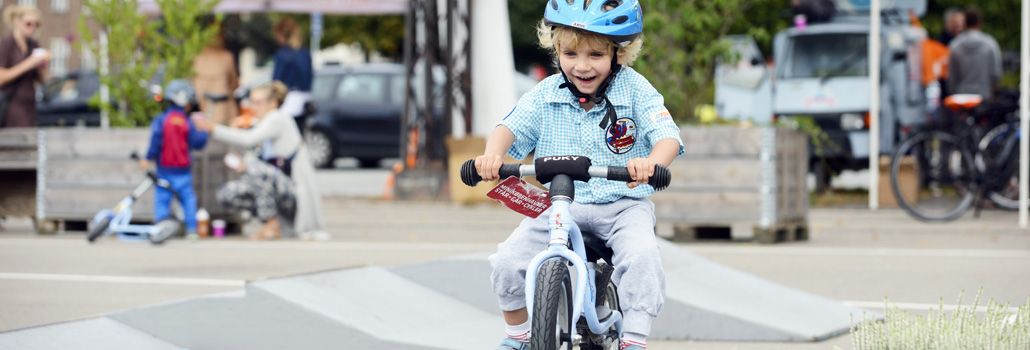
444,304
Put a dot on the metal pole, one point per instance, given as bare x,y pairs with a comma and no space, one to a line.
105,91
874,105
1024,116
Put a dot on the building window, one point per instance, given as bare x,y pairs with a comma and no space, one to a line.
59,51
88,61
59,6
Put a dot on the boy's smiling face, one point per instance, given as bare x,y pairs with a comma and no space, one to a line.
586,63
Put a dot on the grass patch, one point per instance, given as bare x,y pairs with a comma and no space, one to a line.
991,326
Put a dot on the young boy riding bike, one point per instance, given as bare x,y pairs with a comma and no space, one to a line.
600,108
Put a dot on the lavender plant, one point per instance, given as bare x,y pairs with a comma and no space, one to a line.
993,326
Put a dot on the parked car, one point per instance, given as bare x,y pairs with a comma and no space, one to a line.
359,111
65,100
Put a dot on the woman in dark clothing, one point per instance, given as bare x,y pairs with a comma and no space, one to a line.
22,65
293,68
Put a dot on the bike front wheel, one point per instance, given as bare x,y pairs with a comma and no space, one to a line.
947,177
98,226
552,307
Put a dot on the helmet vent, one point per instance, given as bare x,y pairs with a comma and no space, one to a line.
620,19
554,5
610,5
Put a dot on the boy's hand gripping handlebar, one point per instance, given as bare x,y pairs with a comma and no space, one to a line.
577,170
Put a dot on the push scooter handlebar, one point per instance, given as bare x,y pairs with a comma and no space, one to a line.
151,173
660,180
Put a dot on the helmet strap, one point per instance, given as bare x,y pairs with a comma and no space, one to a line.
601,95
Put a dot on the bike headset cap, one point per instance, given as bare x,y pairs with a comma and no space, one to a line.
621,21
180,92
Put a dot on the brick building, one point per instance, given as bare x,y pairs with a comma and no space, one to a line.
59,33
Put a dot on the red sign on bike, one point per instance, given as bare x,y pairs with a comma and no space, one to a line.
521,196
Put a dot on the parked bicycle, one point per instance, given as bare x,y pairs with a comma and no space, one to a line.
960,165
593,318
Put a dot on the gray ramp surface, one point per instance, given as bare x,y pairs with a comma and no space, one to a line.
258,320
728,304
704,300
465,276
97,333
387,306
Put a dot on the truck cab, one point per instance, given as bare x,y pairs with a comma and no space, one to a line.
821,74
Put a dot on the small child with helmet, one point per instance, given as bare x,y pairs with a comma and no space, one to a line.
172,136
598,107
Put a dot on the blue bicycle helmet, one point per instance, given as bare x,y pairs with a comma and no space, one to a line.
180,92
619,20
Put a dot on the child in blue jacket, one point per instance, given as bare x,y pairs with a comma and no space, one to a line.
172,136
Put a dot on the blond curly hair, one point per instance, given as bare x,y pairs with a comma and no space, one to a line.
553,38
15,12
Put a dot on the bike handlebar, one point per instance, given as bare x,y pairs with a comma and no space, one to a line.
660,180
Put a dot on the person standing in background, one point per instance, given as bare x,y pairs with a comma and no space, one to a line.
974,64
294,69
22,66
215,74
954,24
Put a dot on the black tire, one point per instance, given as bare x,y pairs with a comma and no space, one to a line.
608,296
990,147
166,229
97,229
946,169
552,306
368,163
321,148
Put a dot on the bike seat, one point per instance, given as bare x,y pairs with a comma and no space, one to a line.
963,102
596,248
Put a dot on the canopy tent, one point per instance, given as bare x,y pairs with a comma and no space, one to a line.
352,7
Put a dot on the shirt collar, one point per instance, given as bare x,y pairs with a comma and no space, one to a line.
617,92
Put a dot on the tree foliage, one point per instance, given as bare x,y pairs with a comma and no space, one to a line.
682,44
383,34
139,47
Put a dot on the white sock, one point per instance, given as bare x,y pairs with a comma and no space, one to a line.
633,339
518,332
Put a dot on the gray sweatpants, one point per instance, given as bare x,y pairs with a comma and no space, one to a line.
627,225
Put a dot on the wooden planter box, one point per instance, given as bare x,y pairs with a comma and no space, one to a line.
83,170
749,182
18,172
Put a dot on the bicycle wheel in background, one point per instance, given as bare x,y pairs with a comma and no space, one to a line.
988,156
947,177
552,306
165,229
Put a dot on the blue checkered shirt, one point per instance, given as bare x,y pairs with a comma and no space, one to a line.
549,120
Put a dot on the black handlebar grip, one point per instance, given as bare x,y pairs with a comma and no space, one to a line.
619,173
660,180
469,176
509,170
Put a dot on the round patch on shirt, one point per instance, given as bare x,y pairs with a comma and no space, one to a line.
621,135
